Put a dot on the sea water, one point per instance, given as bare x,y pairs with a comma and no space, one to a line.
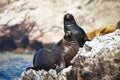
12,65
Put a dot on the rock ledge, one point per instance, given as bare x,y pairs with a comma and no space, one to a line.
99,59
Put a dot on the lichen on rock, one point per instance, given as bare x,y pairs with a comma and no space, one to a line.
44,75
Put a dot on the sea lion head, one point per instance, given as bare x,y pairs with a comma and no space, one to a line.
68,36
68,17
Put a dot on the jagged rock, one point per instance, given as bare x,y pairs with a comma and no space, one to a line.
44,75
99,59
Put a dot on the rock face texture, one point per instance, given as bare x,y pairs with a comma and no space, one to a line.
99,59
48,16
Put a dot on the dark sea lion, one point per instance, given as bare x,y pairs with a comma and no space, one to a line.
60,55
71,25
46,59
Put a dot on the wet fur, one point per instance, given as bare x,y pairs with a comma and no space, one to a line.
71,25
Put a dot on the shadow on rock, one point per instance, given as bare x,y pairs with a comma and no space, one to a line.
16,38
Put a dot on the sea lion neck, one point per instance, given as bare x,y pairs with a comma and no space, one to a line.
72,22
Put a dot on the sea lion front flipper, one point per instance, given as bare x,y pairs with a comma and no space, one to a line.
61,66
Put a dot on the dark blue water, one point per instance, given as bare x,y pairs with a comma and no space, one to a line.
12,65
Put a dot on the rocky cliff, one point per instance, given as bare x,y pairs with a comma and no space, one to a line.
48,17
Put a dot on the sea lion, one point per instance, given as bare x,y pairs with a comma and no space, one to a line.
60,55
118,25
93,34
71,25
101,31
108,29
70,48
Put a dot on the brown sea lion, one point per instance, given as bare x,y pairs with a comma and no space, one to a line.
108,29
101,31
60,55
70,48
71,25
93,34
